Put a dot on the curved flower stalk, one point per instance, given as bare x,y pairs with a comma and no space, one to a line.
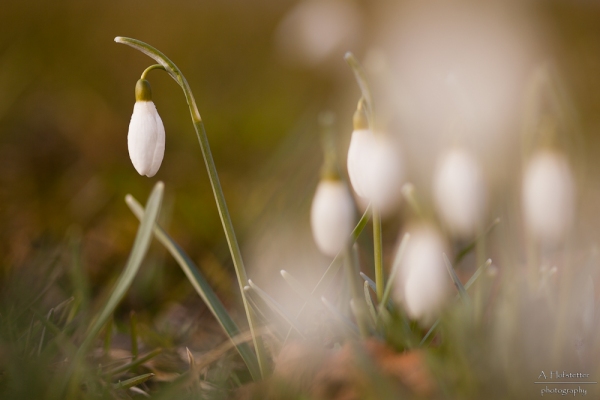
167,65
146,136
332,216
422,285
548,196
459,192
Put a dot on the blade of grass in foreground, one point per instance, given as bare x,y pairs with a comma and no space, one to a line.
202,288
138,252
140,247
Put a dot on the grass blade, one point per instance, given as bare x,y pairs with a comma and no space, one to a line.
370,302
202,288
466,286
459,286
394,271
133,381
134,363
140,247
472,245
369,281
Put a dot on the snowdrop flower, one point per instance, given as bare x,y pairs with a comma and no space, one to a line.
384,174
548,196
146,137
315,31
423,282
332,216
459,192
374,166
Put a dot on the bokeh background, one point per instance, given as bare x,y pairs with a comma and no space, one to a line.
261,72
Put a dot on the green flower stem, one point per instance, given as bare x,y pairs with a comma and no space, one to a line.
361,80
236,255
359,304
150,68
378,254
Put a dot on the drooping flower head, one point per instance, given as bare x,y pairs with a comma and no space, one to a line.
146,137
548,196
374,165
332,216
459,192
422,284
332,211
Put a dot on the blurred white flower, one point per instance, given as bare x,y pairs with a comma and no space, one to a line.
459,192
313,30
375,169
332,216
548,196
385,174
358,157
423,282
146,137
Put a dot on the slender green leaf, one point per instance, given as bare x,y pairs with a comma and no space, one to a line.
133,381
370,281
429,332
370,302
134,363
476,274
361,79
395,268
140,247
472,245
44,331
459,286
467,285
202,287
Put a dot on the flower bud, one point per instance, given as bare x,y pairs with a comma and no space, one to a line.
332,216
358,159
548,196
384,174
146,137
374,165
459,192
422,283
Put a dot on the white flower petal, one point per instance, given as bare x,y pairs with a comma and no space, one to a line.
358,157
384,174
422,283
375,169
332,216
146,138
459,192
548,196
